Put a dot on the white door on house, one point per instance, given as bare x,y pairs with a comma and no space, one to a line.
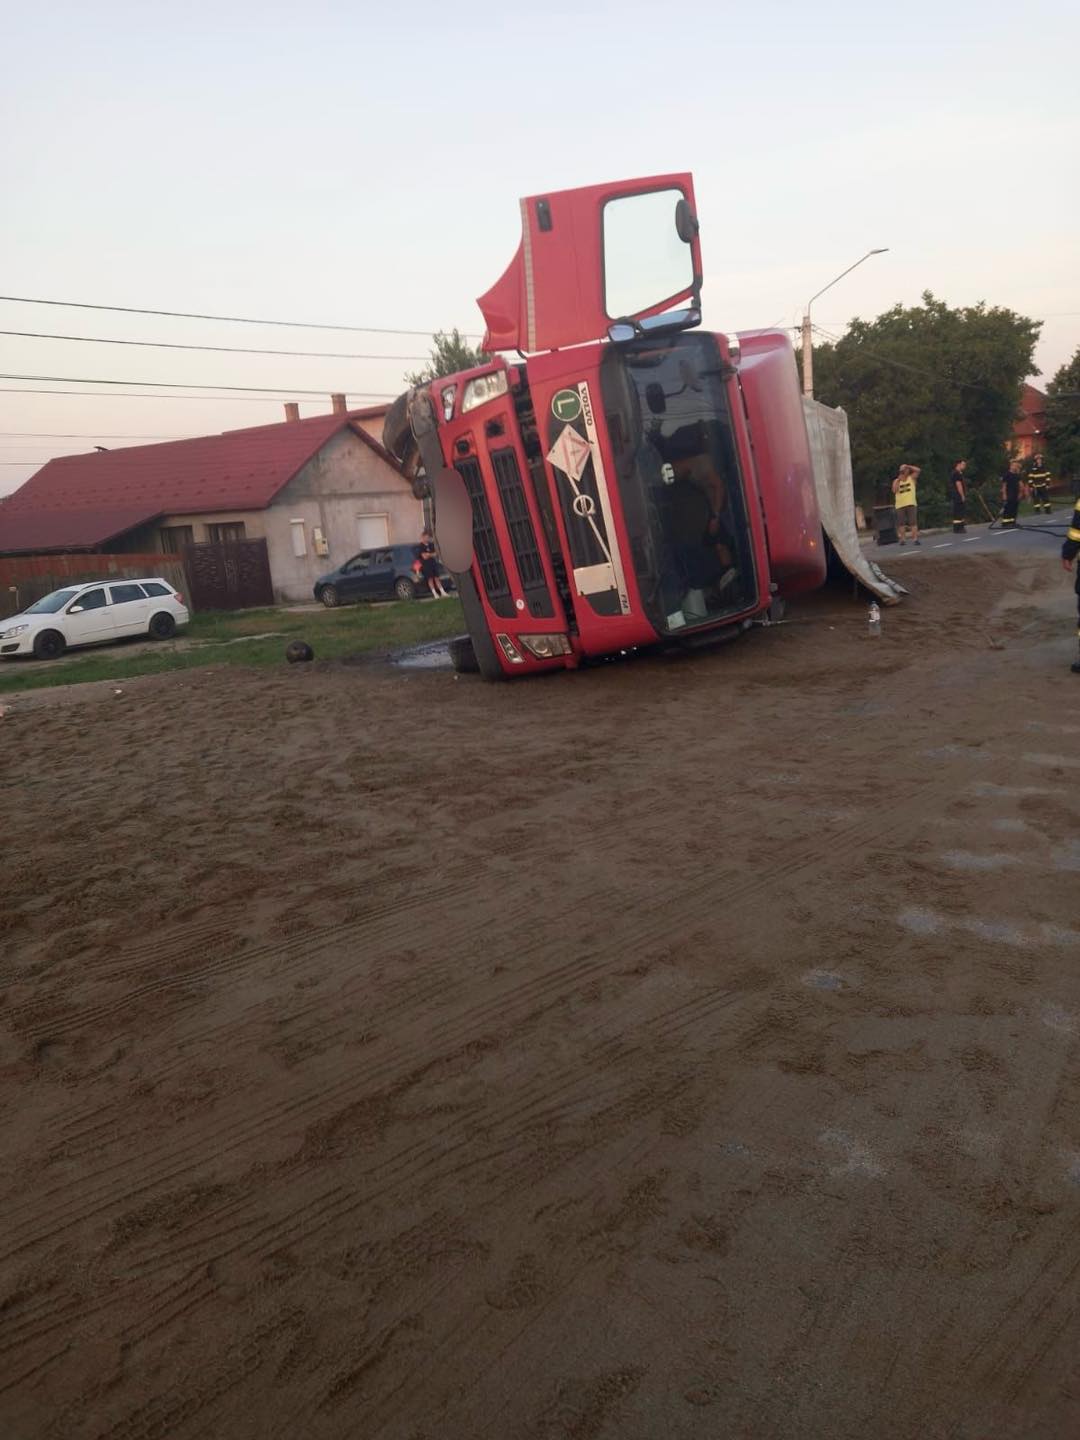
374,531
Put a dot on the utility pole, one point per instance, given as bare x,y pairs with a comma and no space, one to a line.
807,355
807,328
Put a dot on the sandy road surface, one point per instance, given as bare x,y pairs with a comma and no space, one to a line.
686,1048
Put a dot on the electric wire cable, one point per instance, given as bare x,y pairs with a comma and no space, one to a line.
236,319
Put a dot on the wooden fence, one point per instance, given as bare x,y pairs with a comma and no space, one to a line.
26,578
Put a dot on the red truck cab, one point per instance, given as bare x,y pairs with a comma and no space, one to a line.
632,479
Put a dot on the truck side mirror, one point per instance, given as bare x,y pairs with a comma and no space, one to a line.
686,222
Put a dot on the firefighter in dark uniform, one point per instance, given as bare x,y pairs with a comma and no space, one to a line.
958,497
1012,487
1068,555
1039,480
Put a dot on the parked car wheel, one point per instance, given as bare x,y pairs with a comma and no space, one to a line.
463,656
162,626
329,596
49,645
404,588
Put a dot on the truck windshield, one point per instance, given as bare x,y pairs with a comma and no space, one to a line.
670,428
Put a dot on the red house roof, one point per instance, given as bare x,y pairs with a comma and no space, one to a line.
78,502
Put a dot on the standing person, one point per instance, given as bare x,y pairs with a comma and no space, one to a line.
1068,554
906,502
429,566
958,497
1039,480
1012,492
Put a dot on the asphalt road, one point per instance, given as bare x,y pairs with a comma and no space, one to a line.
1045,535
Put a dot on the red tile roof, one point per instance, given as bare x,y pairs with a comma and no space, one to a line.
34,530
81,501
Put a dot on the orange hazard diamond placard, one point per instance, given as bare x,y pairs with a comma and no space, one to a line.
570,453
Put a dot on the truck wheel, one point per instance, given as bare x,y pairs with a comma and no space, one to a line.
463,656
49,645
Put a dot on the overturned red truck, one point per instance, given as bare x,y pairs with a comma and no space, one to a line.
630,479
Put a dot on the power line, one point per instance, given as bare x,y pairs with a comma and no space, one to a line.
218,349
902,365
230,319
182,385
82,435
151,395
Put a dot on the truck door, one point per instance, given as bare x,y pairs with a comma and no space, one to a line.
627,251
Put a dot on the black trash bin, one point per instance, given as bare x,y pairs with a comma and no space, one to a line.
885,524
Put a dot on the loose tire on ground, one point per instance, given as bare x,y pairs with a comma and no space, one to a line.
329,596
162,626
463,656
404,588
49,645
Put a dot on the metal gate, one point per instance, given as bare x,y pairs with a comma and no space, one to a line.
229,575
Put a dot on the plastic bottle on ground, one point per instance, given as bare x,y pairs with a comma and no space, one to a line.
874,620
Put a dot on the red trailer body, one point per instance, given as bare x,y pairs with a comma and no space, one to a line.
612,493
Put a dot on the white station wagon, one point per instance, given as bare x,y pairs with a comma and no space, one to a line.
91,615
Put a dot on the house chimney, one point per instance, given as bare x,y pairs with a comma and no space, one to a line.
292,412
338,402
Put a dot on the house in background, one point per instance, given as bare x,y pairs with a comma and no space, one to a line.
315,490
1029,427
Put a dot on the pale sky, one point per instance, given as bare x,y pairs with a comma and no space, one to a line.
361,164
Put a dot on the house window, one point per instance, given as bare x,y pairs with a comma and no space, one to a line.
228,530
299,540
374,530
175,537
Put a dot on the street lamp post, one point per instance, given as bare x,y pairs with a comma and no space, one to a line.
807,337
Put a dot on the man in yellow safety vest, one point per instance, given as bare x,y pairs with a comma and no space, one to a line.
905,502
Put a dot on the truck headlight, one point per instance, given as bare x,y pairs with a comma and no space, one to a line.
509,649
483,388
14,630
546,647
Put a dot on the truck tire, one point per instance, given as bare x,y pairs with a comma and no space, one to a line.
463,656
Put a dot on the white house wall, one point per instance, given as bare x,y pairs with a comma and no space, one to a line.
344,481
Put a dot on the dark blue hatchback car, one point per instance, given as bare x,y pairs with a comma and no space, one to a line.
386,574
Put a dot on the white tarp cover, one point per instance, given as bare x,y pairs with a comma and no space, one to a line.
830,453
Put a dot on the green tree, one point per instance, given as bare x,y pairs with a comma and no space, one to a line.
450,352
930,385
1063,420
